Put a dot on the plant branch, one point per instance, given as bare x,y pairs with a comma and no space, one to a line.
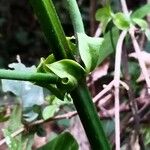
12,135
116,85
140,59
104,91
75,15
22,129
137,48
29,76
52,28
132,100
104,115
89,118
92,16
81,97
124,7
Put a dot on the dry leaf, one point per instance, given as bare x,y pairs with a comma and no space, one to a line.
100,71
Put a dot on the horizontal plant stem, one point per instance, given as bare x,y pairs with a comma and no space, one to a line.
89,118
29,76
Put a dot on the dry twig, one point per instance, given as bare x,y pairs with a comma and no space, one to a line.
116,85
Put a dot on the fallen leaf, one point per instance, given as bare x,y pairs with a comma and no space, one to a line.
100,71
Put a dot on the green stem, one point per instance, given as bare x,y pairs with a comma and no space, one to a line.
89,118
52,28
29,76
75,16
81,97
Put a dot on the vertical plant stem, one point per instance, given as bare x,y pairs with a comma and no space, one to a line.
116,85
92,16
133,102
52,28
75,16
89,118
81,97
140,59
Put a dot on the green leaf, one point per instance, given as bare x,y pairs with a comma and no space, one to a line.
90,49
109,44
64,141
69,71
50,59
141,12
13,125
73,47
27,141
140,22
49,111
11,142
108,126
121,21
147,33
104,16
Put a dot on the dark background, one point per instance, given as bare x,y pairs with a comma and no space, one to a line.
20,32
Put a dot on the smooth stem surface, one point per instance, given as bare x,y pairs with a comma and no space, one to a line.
89,118
52,28
28,76
75,16
81,97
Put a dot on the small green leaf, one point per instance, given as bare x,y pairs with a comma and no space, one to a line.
121,21
140,22
104,16
69,71
147,33
141,12
49,111
64,141
50,59
90,49
72,46
109,44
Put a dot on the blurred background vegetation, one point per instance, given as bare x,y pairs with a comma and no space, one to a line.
20,32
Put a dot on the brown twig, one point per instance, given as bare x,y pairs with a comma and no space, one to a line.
92,16
137,47
22,129
12,135
144,71
103,92
133,102
140,59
